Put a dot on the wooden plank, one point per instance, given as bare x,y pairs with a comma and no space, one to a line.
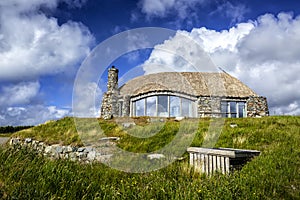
226,164
218,164
228,152
192,159
203,163
196,161
222,159
214,163
210,167
206,163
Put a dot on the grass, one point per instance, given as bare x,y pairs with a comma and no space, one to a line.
275,174
6,134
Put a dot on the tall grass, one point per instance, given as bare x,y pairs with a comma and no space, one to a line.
275,174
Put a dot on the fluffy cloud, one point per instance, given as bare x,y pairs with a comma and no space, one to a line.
30,115
161,8
32,44
21,93
86,99
263,53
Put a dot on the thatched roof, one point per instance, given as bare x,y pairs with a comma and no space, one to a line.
191,83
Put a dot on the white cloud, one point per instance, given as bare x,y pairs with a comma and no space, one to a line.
162,8
263,53
234,12
32,44
30,115
86,100
181,53
21,93
189,9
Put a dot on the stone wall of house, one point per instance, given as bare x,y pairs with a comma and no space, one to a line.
109,107
209,106
257,106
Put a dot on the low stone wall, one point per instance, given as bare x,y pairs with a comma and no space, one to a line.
56,151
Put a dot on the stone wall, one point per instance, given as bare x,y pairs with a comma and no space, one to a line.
126,106
209,106
104,151
109,107
257,106
56,151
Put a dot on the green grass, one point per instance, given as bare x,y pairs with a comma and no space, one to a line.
275,174
62,131
6,134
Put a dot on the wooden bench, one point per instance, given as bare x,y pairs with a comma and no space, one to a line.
224,160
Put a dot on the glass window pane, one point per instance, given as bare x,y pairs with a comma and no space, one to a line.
174,106
162,106
151,106
140,107
187,108
224,109
233,109
241,109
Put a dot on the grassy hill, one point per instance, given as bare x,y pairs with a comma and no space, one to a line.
275,174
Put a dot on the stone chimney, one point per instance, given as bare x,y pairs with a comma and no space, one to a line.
109,107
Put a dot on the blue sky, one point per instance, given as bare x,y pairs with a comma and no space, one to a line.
43,44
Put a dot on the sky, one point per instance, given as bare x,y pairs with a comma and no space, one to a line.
44,44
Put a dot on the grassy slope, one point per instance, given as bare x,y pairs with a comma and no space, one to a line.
275,174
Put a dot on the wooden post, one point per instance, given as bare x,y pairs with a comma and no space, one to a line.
192,159
214,161
226,165
210,164
203,163
218,163
222,159
206,163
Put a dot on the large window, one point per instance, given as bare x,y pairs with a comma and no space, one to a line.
164,106
233,109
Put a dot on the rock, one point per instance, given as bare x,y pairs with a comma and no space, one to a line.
109,139
68,149
91,155
179,118
14,141
128,124
27,140
48,149
56,148
88,149
155,156
80,149
233,125
81,155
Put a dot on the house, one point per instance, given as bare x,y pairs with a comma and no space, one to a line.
181,94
